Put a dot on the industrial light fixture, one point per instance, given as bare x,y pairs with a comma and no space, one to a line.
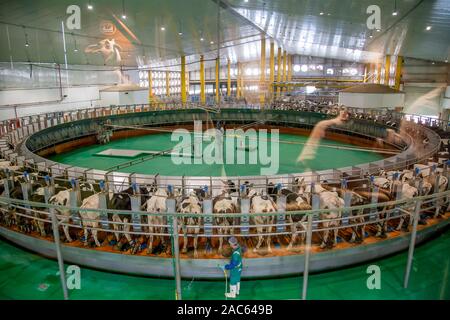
26,38
428,28
394,13
75,49
124,16
90,6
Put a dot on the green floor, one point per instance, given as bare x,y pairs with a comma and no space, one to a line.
26,275
326,158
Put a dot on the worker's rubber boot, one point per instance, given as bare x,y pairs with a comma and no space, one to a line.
238,287
232,293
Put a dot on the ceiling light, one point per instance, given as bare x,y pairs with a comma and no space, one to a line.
163,28
90,7
428,28
75,50
394,13
124,16
212,42
446,60
328,14
26,44
180,33
321,13
378,30
371,36
201,39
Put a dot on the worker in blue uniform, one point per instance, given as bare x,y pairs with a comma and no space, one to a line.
235,267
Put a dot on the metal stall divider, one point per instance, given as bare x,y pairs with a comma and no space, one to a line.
26,191
135,199
347,203
245,211
75,200
281,206
103,205
208,221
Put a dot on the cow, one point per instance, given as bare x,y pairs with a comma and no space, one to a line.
156,204
223,204
328,200
262,204
190,205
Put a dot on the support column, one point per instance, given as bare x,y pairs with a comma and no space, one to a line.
289,71
387,67
228,78
379,73
398,72
262,79
150,87
238,81
284,69
365,73
242,81
373,67
183,80
202,80
167,83
279,70
217,80
272,68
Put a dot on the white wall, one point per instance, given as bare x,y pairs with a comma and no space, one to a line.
34,101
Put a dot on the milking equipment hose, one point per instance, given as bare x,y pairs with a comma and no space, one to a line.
226,279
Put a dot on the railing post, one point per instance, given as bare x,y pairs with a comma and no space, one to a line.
412,243
170,204
315,206
48,192
62,272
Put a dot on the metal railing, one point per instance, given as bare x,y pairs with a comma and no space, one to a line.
125,180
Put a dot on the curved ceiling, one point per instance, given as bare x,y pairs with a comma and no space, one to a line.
157,32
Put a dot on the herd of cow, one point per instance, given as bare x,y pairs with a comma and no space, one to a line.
298,197
329,108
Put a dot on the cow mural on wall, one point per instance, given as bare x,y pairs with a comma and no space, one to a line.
110,49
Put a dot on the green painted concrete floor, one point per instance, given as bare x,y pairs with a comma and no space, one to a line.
25,275
326,158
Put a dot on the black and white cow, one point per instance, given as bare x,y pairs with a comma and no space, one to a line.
190,205
224,204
